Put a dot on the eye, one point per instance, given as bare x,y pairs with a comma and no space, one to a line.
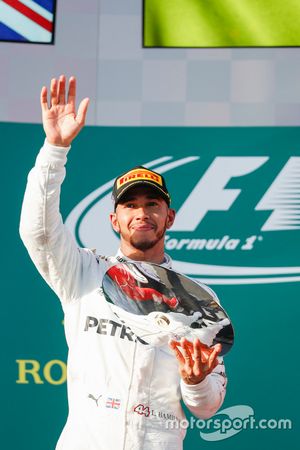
129,205
153,203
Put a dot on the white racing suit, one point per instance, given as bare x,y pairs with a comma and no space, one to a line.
123,392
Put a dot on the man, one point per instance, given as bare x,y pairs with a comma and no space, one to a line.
121,388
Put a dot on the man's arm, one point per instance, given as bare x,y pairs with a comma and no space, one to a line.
206,398
203,380
49,243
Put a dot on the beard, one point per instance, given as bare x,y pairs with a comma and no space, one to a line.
143,244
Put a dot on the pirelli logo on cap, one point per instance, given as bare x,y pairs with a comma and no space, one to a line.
139,174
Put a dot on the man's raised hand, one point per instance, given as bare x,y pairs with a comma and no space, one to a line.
60,120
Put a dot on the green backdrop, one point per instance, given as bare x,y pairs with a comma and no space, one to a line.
262,367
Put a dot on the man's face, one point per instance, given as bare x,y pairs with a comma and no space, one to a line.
142,218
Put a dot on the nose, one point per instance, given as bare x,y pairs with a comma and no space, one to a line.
142,213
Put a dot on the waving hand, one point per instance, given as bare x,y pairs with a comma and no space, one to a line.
60,120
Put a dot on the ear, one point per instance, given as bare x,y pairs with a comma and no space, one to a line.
171,217
114,222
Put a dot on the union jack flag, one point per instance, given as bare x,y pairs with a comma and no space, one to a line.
27,20
114,403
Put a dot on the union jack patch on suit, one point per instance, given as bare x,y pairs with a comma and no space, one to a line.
27,21
114,403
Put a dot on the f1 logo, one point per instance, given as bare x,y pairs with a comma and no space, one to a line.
210,194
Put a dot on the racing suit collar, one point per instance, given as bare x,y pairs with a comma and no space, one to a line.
167,262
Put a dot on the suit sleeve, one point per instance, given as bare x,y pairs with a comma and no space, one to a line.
205,398
69,270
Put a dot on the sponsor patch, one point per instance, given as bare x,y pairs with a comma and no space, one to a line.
139,174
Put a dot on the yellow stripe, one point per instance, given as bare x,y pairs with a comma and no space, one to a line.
139,174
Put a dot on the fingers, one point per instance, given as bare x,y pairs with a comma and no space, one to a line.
196,359
205,350
82,110
53,92
174,346
43,98
186,346
186,351
72,91
58,91
197,350
218,347
58,97
213,358
62,90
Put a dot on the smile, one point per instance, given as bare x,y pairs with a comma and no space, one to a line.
145,227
